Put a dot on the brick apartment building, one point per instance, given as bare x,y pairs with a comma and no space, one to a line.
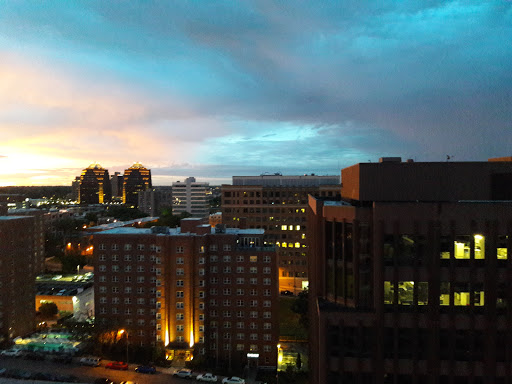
18,268
194,289
410,274
277,204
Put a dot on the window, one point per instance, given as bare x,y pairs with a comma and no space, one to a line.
226,259
226,291
115,289
213,269
254,280
179,260
266,292
253,259
140,279
266,281
226,269
227,280
240,336
115,247
140,268
240,270
127,289
102,258
180,316
127,300
103,268
102,247
240,259
253,292
227,324
240,280
201,306
115,257
266,270
201,271
180,283
103,279
127,257
240,325
180,305
201,260
254,336
214,258
214,280
115,279
240,292
254,303
267,315
201,317
140,311
180,272
140,257
240,314
201,249
253,314
226,303
253,326
266,303
103,300
213,247
180,294
180,328
201,294
253,270
239,347
267,325
140,247
127,268
226,247
201,283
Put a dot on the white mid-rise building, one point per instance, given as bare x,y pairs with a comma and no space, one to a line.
190,196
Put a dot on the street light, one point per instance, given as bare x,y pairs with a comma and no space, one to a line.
279,359
119,334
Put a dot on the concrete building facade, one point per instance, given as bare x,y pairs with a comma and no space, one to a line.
410,275
278,205
154,201
190,196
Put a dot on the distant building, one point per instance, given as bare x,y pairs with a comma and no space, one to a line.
95,187
137,178
154,201
72,293
190,196
17,276
116,181
278,204
410,274
39,231
75,189
195,290
215,218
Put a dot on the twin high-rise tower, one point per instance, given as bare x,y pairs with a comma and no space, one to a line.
96,186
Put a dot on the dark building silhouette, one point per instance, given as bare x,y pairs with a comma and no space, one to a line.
137,178
95,187
20,265
116,180
410,274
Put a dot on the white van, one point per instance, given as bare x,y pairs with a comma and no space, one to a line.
90,361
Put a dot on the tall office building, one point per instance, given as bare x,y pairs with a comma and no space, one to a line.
410,274
278,204
190,196
116,182
195,289
95,187
153,201
137,178
17,276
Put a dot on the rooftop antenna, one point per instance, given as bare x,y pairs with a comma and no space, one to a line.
448,157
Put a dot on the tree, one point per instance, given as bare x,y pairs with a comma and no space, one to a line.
48,309
298,362
300,306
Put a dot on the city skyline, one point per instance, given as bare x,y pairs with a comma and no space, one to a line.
218,89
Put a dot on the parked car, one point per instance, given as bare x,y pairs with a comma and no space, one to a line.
118,365
145,369
233,380
65,359
286,293
184,373
90,361
103,380
207,378
11,353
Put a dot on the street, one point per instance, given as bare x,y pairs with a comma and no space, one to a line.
88,374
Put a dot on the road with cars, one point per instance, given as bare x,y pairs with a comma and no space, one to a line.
87,374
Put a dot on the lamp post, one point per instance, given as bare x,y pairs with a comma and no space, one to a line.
119,334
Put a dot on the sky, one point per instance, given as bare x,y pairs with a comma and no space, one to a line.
213,89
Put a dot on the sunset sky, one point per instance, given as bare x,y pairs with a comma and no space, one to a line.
213,89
